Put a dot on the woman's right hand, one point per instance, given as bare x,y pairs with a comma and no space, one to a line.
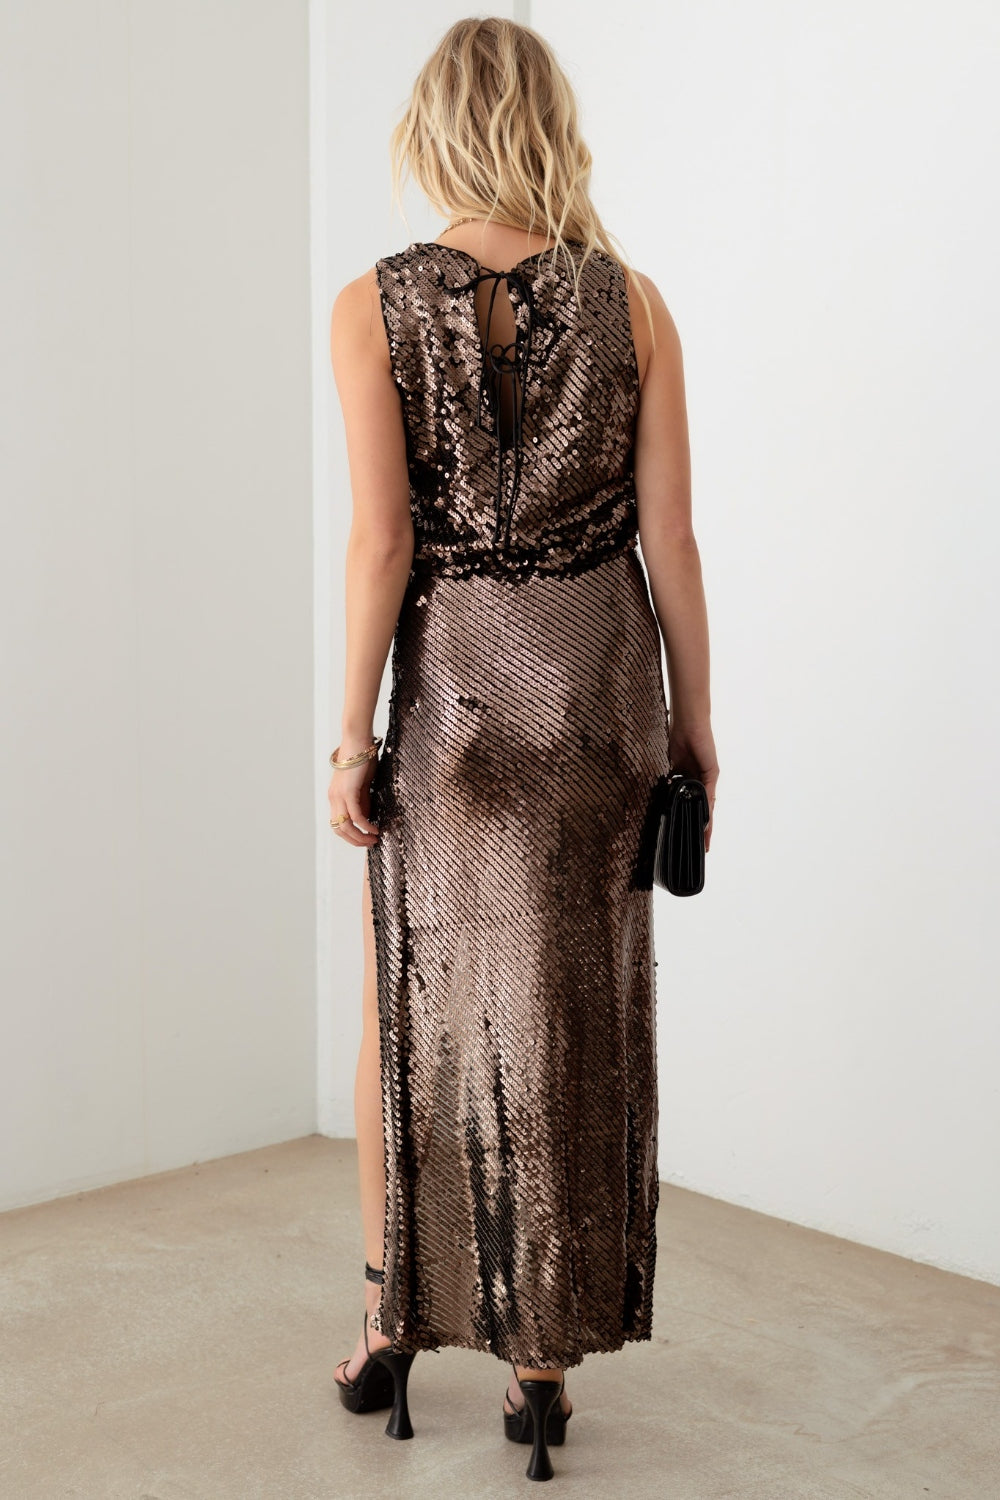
691,748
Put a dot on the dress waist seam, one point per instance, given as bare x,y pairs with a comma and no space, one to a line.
506,566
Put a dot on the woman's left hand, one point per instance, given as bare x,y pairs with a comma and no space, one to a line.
350,799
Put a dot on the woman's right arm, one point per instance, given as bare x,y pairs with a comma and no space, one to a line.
666,535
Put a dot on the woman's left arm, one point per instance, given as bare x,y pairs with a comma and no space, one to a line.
380,543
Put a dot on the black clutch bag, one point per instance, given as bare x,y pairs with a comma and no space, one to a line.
679,862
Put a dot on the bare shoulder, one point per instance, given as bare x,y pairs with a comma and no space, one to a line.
357,330
668,345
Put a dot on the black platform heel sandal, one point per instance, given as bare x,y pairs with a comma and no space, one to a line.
381,1381
541,1421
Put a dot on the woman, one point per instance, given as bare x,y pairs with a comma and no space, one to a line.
510,439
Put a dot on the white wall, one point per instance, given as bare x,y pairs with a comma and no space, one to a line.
813,191
158,953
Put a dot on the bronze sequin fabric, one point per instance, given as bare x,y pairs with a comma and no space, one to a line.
512,880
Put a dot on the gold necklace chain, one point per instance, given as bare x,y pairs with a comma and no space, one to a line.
471,219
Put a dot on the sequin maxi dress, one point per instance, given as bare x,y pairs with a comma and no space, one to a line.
511,884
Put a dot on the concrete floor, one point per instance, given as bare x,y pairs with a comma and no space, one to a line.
176,1336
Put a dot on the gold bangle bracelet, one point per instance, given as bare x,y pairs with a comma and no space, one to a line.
356,760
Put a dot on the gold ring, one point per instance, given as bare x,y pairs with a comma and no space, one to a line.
336,822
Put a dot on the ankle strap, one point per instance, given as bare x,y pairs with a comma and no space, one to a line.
562,1383
372,1274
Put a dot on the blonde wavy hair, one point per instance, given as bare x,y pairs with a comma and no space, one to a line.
491,131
